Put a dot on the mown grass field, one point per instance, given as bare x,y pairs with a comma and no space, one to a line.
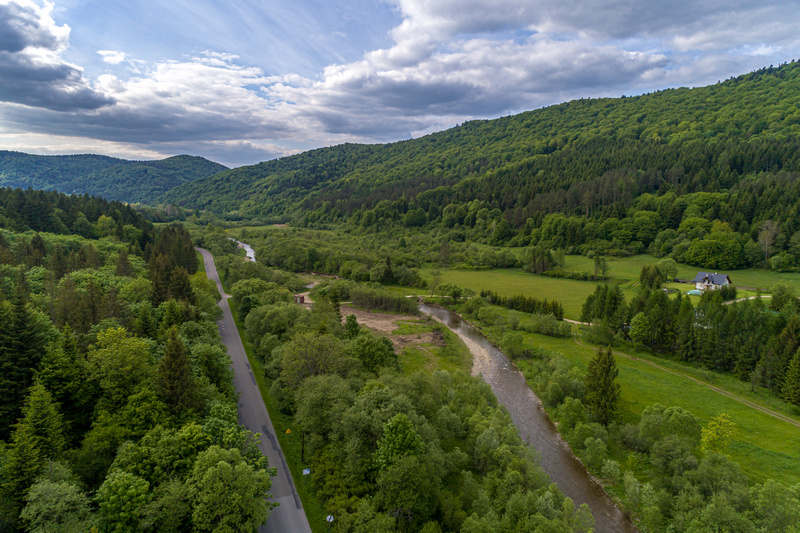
509,282
628,268
572,293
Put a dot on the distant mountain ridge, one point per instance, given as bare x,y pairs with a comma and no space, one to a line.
575,158
98,175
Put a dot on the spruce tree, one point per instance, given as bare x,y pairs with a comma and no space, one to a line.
37,437
602,390
21,348
791,382
176,381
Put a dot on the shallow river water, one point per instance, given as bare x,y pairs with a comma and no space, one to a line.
251,254
534,425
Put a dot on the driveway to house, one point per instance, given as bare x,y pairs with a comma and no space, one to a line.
289,516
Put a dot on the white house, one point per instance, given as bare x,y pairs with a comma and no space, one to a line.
705,281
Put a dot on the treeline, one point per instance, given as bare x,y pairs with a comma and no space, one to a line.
366,297
543,324
85,216
390,451
753,340
526,304
118,405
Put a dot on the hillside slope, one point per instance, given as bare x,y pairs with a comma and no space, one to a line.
573,158
109,177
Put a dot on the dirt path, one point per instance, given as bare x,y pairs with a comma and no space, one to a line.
748,298
730,395
577,322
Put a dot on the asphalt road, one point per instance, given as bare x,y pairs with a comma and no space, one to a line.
289,516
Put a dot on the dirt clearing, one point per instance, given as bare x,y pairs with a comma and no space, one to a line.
386,324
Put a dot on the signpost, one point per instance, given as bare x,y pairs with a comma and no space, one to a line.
330,521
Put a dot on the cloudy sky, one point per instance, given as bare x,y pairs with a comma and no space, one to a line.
242,81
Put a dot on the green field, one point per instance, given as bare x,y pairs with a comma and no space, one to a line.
572,293
764,446
428,357
509,282
628,268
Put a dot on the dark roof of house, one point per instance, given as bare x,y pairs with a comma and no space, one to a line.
714,279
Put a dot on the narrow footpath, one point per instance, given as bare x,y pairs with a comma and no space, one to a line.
289,516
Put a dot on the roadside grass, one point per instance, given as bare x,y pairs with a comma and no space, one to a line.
763,446
201,266
457,357
290,442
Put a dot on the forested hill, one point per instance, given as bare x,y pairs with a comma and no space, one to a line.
579,157
109,177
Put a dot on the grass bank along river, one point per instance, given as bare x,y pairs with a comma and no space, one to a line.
533,424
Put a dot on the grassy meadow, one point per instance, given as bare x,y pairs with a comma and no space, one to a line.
763,446
572,293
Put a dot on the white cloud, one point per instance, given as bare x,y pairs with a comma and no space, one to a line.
32,71
450,60
111,56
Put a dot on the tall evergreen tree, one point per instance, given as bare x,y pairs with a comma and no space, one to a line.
684,335
37,437
791,382
176,380
63,371
21,348
602,390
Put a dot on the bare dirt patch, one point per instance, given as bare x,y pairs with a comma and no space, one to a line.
386,323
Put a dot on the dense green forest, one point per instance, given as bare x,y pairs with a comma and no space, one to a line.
694,174
109,177
118,408
388,449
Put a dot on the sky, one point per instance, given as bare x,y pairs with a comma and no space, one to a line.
243,81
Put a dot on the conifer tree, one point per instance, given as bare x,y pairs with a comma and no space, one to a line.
791,382
176,381
36,438
63,371
602,390
123,266
21,348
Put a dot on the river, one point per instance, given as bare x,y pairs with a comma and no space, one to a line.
534,426
251,254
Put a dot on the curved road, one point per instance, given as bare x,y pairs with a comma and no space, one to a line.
289,516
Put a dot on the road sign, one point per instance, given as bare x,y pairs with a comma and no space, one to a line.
306,471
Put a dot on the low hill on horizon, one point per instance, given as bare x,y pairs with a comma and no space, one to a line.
98,175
